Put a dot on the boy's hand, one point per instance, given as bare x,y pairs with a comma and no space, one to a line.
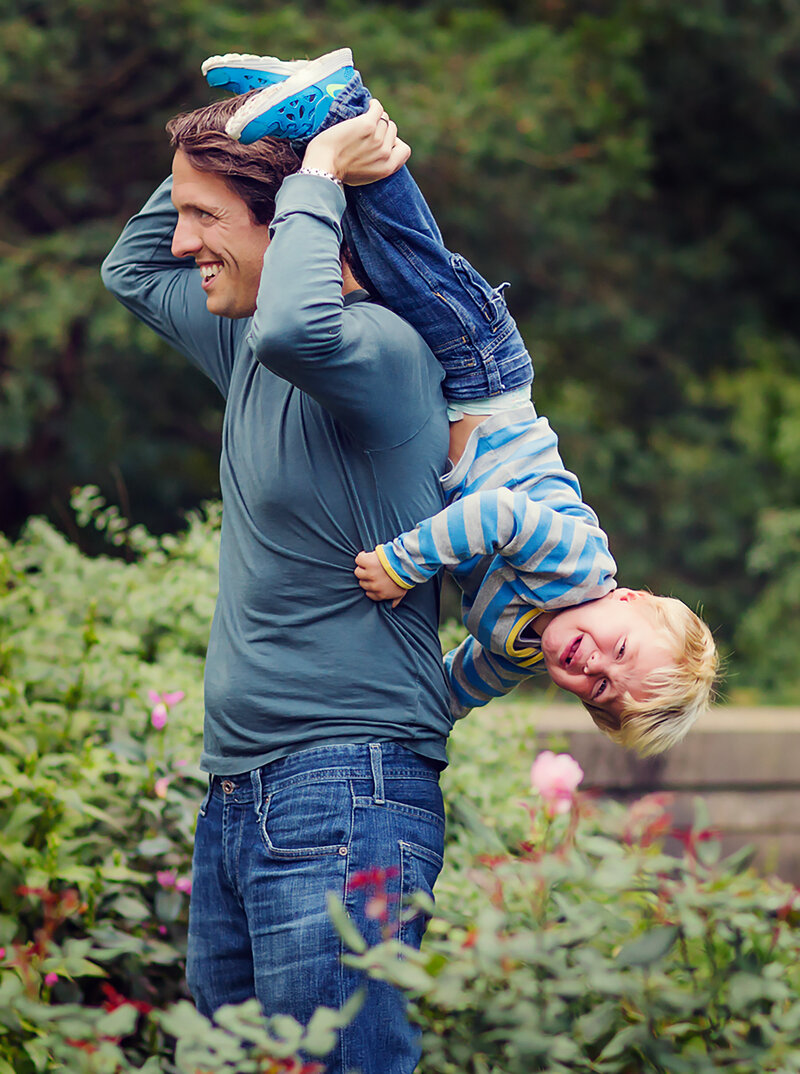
374,580
360,150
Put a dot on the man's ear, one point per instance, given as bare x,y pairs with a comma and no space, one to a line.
626,594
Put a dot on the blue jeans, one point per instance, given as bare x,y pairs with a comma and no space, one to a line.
397,249
270,845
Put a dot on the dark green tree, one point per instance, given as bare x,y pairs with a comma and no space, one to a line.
630,167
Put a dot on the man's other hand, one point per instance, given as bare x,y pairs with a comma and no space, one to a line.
360,150
374,580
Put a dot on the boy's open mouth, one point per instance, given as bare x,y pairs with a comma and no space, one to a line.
570,651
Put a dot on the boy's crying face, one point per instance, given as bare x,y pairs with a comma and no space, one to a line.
603,651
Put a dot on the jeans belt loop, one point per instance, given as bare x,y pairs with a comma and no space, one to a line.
376,761
255,779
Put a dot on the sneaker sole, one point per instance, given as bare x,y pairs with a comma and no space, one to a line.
247,61
312,73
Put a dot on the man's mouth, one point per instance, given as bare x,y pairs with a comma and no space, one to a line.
209,271
571,651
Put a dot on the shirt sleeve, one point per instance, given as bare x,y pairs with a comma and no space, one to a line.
552,552
165,292
475,676
364,365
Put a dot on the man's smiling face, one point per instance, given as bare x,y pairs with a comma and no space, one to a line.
605,649
215,227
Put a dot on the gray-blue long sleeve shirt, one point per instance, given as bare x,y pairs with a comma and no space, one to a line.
334,438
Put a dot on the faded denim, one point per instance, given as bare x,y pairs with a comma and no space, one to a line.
397,248
269,846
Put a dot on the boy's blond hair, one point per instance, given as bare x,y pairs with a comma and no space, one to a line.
681,692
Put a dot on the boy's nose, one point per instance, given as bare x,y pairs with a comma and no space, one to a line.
593,663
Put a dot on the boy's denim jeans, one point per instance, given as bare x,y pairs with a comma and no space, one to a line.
269,847
398,250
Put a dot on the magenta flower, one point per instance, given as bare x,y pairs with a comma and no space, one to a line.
555,777
169,880
50,978
162,703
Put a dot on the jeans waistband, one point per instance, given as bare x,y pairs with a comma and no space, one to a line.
375,761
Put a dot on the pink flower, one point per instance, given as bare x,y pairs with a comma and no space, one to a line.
162,703
50,978
2,952
171,881
555,777
158,717
182,763
161,786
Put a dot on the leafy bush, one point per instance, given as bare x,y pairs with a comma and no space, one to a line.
97,803
564,943
587,949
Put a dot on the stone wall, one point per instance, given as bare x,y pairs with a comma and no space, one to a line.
744,762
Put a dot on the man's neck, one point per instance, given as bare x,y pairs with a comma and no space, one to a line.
349,282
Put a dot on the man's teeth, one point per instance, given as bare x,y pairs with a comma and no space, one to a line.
208,272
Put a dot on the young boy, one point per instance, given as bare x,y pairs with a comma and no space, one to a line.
530,557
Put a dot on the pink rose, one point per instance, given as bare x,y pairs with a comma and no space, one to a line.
555,777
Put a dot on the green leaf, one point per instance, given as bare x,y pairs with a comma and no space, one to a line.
131,909
343,924
649,948
118,1023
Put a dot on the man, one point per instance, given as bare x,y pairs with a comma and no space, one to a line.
326,715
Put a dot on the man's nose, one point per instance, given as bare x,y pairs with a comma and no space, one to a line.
185,242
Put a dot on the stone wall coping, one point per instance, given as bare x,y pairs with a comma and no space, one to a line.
731,746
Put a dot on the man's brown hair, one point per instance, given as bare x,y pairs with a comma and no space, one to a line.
254,172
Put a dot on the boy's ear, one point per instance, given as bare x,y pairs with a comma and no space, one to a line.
625,594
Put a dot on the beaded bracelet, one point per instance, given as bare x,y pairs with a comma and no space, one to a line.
322,174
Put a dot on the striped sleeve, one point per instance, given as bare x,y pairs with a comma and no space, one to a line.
476,675
540,543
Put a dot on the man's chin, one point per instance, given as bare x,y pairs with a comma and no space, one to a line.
222,309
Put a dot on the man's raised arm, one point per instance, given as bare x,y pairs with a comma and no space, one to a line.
165,291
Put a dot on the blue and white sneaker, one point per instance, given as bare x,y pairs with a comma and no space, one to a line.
294,109
241,72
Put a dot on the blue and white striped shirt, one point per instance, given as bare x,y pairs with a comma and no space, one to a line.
518,539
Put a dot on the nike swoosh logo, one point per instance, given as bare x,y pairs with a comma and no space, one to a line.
335,88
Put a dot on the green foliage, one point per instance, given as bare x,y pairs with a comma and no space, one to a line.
562,944
632,168
97,807
587,949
